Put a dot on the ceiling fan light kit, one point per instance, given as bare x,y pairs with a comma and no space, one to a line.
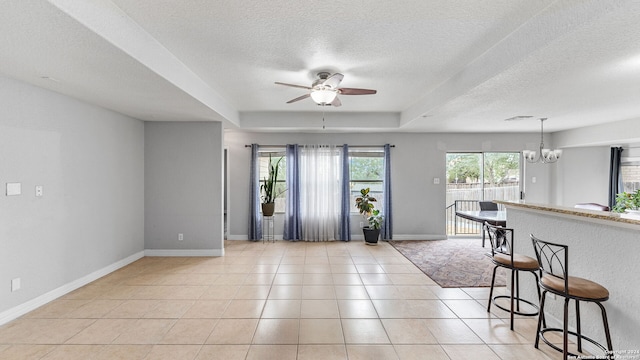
324,90
324,96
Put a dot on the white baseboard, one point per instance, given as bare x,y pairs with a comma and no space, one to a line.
406,237
35,303
246,237
419,237
361,237
184,252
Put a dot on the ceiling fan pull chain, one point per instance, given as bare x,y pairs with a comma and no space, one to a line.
323,117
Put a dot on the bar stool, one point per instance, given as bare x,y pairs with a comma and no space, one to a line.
554,267
501,255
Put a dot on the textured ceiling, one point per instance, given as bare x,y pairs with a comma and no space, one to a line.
438,65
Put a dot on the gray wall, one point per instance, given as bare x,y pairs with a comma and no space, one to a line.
582,175
612,133
417,159
90,162
183,186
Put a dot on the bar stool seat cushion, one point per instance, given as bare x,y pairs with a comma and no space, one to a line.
578,287
522,262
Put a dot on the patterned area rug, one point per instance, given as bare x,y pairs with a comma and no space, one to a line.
452,262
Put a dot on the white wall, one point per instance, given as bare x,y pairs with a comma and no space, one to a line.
183,188
419,205
582,175
90,162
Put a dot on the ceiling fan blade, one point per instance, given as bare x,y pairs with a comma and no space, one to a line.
334,80
298,98
336,102
353,91
293,85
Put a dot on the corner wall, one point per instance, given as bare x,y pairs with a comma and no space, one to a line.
183,189
90,162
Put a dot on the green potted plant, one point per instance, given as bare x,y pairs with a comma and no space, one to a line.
269,188
365,206
627,202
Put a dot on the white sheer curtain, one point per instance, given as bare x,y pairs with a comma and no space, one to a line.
320,192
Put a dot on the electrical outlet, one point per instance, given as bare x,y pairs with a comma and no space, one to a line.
180,237
361,224
15,284
39,190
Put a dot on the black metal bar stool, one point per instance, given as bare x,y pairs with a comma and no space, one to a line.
554,266
501,255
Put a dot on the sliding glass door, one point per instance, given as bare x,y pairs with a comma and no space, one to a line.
473,177
501,176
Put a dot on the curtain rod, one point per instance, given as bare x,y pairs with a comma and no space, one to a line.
350,146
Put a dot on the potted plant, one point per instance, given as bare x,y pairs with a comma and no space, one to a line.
268,188
365,205
627,202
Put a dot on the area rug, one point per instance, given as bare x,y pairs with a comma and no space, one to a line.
452,262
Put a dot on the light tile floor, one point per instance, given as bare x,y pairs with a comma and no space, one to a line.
283,300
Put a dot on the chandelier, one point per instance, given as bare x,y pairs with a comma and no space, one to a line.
544,156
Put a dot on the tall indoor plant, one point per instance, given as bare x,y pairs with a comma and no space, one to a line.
365,206
269,189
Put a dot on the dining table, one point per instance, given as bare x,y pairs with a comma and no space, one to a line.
497,218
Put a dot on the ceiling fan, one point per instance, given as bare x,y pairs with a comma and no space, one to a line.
324,90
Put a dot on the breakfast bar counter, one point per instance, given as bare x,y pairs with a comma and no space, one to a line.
603,247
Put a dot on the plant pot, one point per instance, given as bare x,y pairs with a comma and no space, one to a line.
268,209
371,235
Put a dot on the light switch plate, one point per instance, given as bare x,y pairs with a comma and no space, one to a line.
14,189
15,284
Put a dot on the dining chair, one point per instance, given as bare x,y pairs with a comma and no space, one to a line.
488,206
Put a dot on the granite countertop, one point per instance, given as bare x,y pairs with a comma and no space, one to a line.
632,219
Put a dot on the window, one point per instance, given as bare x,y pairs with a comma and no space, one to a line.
630,169
366,170
275,154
